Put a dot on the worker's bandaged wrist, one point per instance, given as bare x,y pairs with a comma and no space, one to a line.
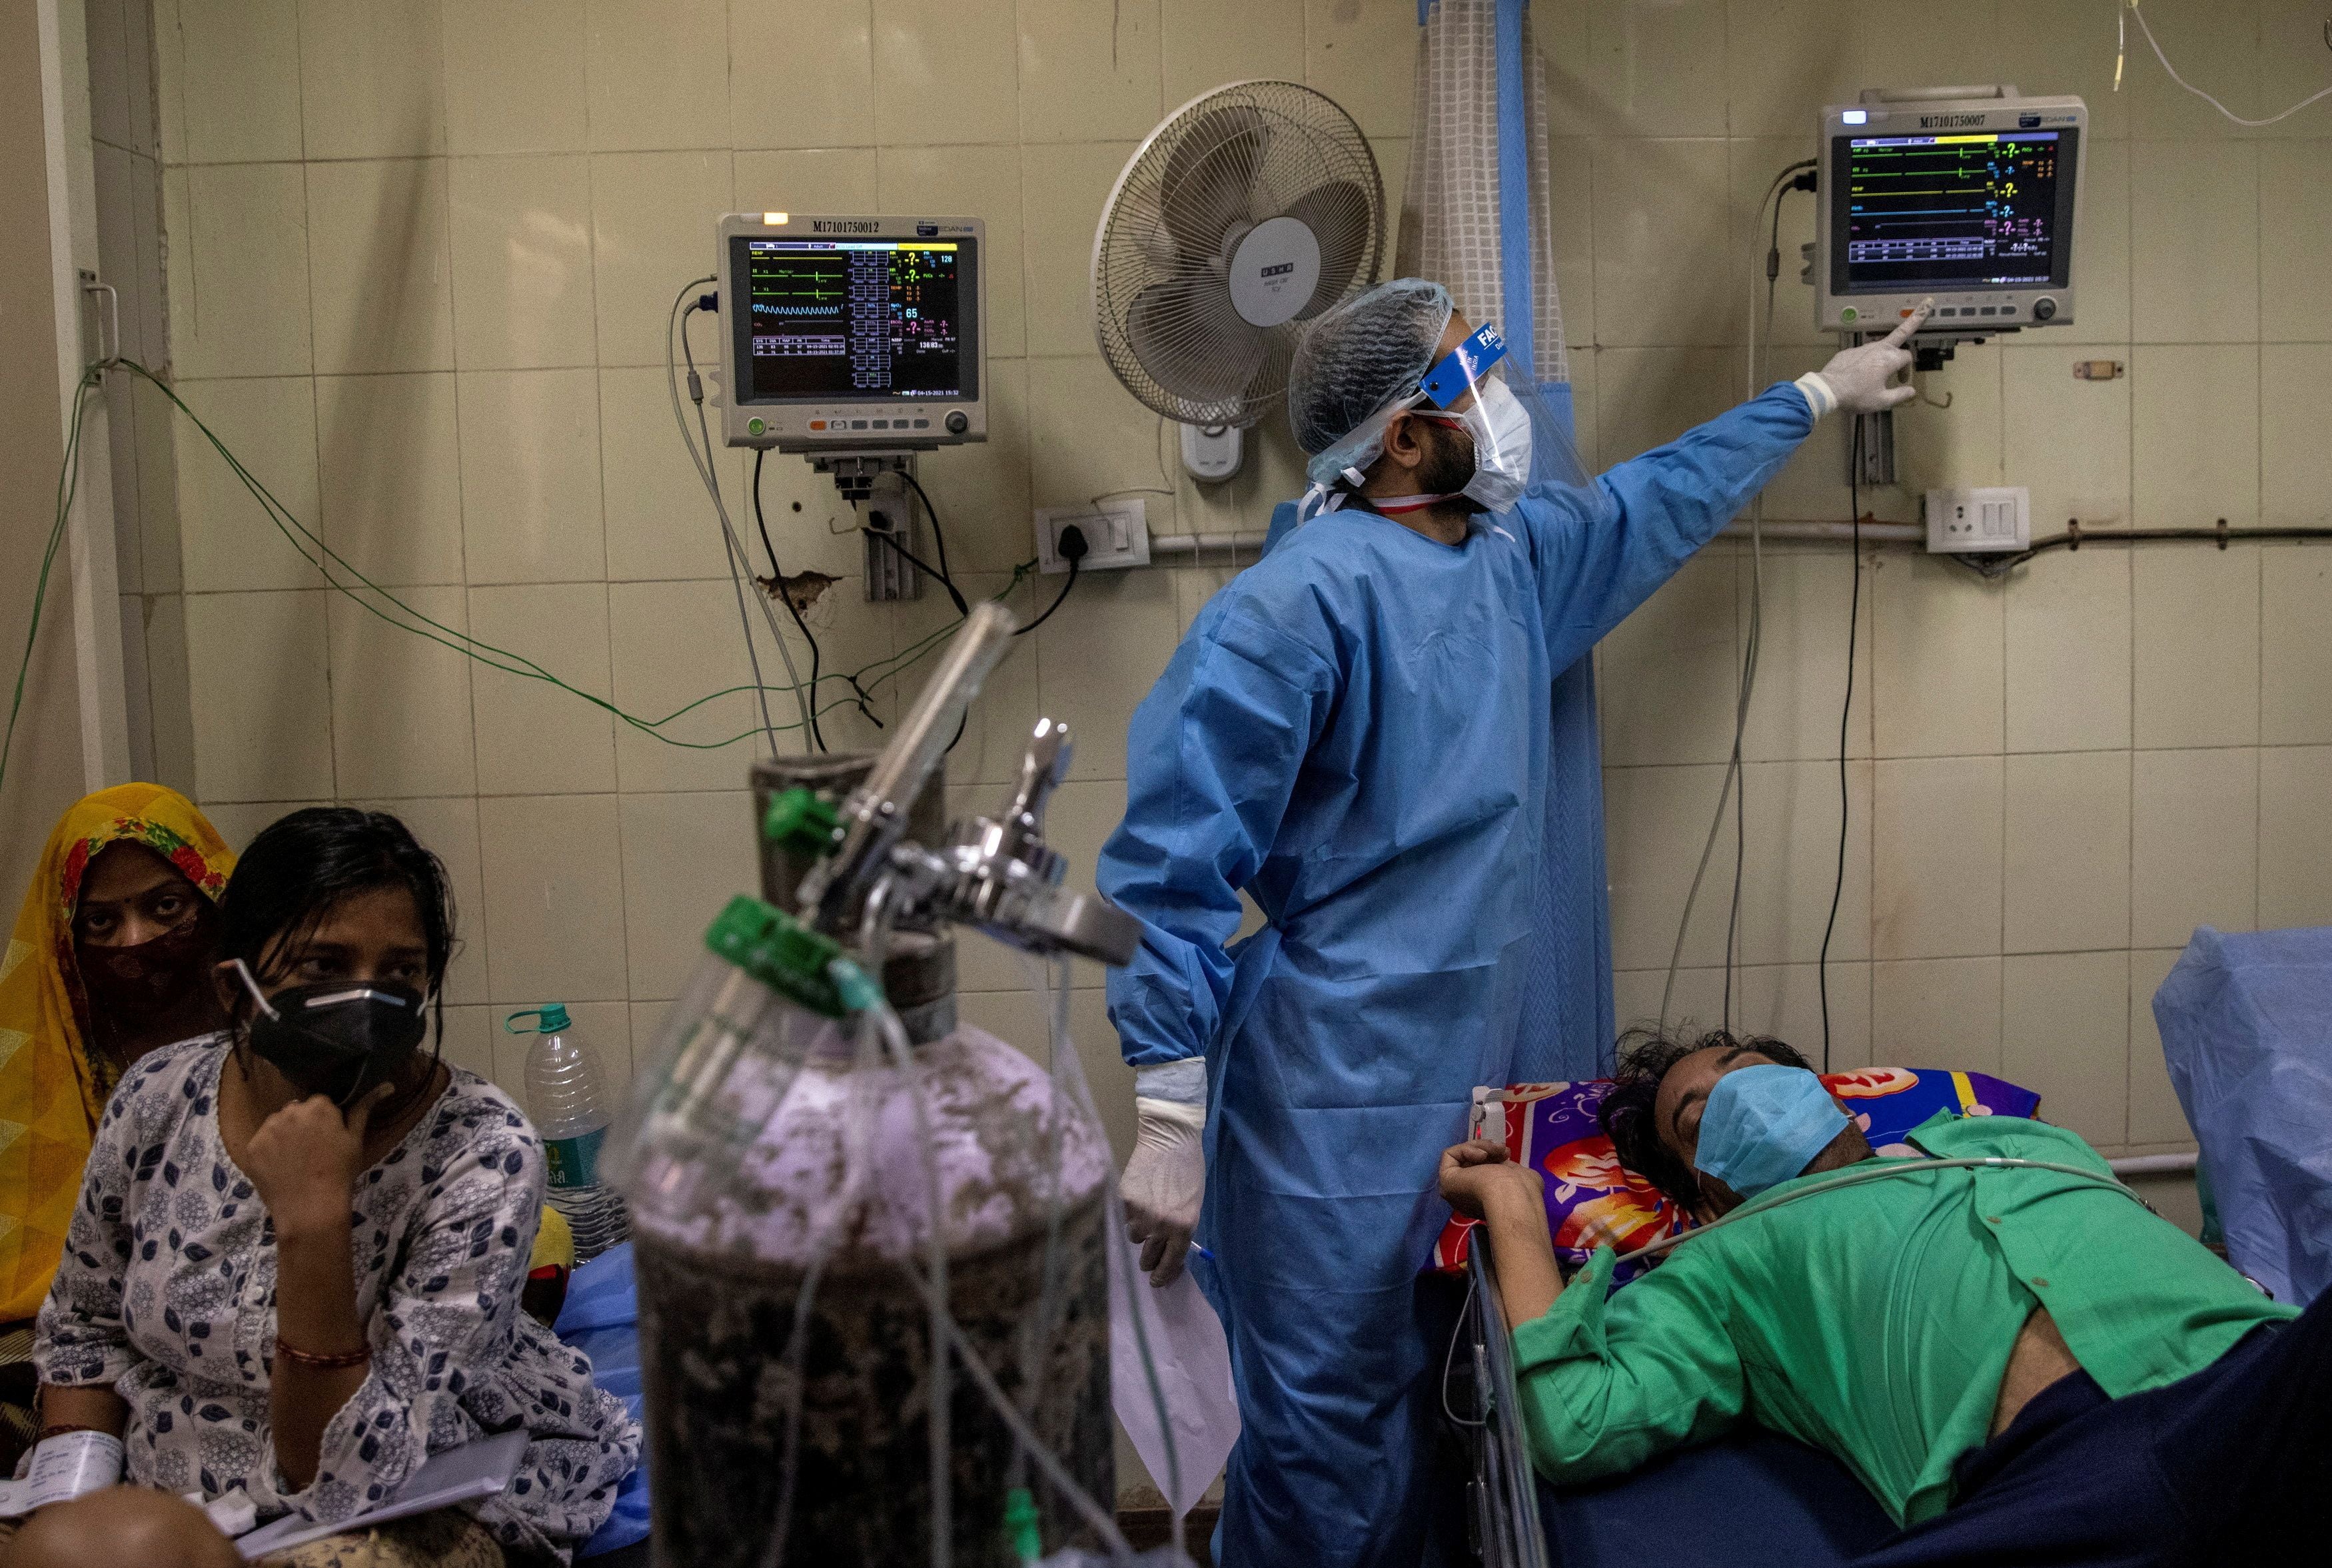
63,1467
1819,396
1183,1082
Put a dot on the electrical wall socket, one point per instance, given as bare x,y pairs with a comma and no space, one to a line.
1117,535
1981,520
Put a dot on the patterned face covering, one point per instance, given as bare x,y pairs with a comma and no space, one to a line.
132,985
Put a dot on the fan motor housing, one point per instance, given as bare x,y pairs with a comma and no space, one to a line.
1274,269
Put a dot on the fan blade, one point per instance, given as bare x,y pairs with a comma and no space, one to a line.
1337,213
1186,334
1269,384
1209,177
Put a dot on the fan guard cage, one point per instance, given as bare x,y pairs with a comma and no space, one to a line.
1220,167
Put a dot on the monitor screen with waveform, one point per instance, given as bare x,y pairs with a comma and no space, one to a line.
859,320
1956,212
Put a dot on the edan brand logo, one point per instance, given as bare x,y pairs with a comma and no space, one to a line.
827,226
1947,121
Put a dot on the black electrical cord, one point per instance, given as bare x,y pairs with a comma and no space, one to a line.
778,586
939,535
925,568
1064,593
1845,714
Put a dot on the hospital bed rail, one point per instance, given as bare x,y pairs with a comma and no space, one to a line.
1502,1497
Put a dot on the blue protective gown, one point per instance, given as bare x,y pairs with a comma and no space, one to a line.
1355,731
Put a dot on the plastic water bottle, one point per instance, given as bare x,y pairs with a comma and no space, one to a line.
570,1111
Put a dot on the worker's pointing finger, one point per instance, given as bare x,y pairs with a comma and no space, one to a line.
1909,325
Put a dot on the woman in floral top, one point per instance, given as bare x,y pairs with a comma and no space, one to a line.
295,1268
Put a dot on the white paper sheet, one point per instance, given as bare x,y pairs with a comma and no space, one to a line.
1193,1360
63,1467
478,1469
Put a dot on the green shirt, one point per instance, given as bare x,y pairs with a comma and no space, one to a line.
1875,1321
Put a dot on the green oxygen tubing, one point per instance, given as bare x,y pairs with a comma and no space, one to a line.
1885,1169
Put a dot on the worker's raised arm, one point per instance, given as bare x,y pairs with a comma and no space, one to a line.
1602,548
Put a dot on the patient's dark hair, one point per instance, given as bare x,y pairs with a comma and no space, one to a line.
301,865
1645,1057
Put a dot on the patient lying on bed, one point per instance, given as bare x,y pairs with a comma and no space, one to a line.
2021,1365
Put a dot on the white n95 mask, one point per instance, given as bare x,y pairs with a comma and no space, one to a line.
1501,428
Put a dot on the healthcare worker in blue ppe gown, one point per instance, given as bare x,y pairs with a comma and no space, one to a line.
1354,732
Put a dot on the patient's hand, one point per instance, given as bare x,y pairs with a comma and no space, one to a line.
1481,1183
1478,1177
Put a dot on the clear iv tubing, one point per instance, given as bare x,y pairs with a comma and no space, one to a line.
874,942
1746,684
880,1019
858,1160
735,551
1066,1066
1894,1167
2121,47
1037,1337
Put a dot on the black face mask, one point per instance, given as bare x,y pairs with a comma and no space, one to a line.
340,1038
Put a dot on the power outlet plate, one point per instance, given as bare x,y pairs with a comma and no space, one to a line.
1117,535
1982,521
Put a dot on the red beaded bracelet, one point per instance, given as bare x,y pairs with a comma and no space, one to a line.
308,1358
59,1428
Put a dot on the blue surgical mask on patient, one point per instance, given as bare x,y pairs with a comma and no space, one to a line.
1764,1125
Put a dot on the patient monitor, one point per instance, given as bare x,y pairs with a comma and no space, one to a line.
1964,195
853,333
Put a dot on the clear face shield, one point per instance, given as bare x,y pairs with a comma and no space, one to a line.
1520,442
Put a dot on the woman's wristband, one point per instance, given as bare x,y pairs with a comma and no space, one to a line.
286,1351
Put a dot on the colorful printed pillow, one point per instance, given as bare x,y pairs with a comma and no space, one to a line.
1593,1201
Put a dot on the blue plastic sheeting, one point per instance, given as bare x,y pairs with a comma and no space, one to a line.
2246,1024
1751,1499
601,1318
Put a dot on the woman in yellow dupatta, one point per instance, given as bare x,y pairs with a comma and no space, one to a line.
110,958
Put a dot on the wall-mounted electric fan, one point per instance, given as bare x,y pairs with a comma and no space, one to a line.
1251,210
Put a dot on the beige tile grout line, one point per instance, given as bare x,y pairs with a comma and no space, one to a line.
477,808
315,394
2259,490
606,603
2129,589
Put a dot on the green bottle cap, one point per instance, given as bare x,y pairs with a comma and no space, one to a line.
780,951
799,820
1020,1524
550,1017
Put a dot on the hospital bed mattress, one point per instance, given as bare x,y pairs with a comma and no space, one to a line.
1751,1499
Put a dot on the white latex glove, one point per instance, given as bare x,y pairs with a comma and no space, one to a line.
1165,1182
1856,379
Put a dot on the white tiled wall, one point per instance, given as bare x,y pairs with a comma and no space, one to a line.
420,254
2071,768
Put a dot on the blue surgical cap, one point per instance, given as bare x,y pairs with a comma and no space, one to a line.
1364,354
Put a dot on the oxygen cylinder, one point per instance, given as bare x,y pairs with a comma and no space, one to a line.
761,1150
